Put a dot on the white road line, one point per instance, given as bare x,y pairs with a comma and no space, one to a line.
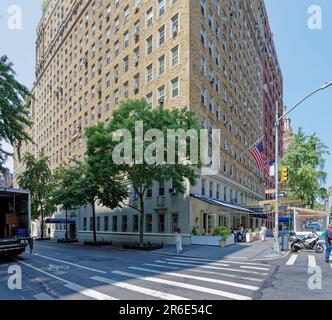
205,272
223,261
71,285
291,260
331,265
199,263
70,263
43,296
89,292
212,267
149,292
254,268
186,286
187,276
312,262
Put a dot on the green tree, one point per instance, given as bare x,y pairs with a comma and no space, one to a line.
86,190
305,163
14,110
67,193
141,174
37,178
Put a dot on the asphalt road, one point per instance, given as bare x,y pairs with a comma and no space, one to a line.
71,272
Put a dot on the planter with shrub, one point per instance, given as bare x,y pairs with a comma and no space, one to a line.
148,246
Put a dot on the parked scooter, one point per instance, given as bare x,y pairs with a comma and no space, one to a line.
309,242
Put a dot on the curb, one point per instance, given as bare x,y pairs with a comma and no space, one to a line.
174,254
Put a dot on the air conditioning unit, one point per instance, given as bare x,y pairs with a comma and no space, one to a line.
161,101
211,80
116,77
99,89
136,87
136,34
137,7
85,60
137,60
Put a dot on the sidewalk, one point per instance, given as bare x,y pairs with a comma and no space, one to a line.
257,250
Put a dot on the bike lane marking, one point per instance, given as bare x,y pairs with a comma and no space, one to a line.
71,285
70,263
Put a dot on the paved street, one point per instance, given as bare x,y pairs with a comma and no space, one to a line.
70,272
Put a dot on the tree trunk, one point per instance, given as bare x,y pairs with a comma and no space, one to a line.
141,220
94,222
42,226
66,234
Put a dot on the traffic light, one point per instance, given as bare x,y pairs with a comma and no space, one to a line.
284,175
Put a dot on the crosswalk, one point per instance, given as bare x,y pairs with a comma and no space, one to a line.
311,261
171,278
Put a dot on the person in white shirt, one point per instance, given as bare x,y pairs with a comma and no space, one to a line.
178,240
263,232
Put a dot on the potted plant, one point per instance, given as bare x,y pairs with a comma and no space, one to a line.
249,236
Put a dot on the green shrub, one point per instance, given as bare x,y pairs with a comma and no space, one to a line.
194,232
221,232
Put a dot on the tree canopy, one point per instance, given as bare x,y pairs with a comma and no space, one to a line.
37,178
14,109
305,163
104,141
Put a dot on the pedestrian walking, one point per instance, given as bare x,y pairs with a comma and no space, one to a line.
263,232
328,243
178,241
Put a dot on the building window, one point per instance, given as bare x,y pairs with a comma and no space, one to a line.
126,64
149,192
161,188
149,99
203,187
116,96
149,17
98,223
106,223
203,93
115,224
218,191
203,35
116,48
211,190
161,64
174,222
135,223
91,224
161,223
149,73
175,87
148,226
126,90
126,13
175,24
149,45
203,66
175,56
124,223
161,7
161,33
203,7
126,39
161,95
84,224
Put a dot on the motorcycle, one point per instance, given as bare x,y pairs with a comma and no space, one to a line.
309,242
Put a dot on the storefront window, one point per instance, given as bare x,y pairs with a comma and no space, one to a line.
161,223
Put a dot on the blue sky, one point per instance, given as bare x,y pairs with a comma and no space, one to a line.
304,55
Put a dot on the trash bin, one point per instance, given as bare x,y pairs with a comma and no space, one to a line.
284,240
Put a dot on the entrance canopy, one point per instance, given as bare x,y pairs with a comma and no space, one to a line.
59,220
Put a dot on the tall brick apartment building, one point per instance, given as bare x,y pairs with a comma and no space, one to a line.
203,54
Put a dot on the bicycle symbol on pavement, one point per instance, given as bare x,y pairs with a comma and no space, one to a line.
55,268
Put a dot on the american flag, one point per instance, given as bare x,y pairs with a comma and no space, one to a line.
267,166
258,154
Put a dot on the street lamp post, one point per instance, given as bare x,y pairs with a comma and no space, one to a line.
276,172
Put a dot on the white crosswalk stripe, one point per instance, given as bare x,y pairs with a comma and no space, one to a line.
312,261
292,260
187,276
212,267
131,287
43,296
223,261
205,272
254,268
182,285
